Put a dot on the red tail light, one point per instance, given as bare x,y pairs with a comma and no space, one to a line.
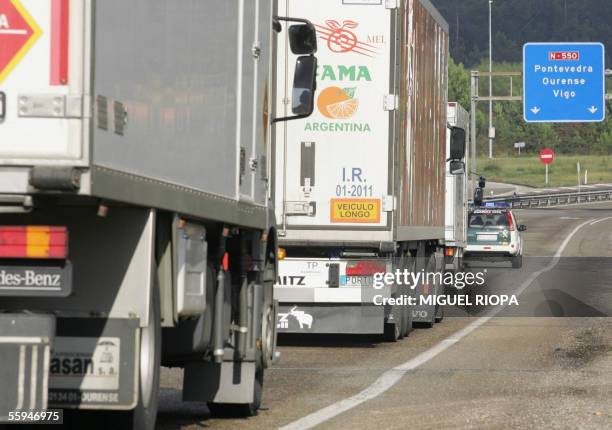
33,242
449,252
510,223
367,267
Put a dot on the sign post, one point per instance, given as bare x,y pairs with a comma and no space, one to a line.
519,145
547,156
564,82
578,170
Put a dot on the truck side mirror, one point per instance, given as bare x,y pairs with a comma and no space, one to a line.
304,85
457,144
303,39
457,167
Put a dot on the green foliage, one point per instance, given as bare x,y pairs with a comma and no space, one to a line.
458,84
566,138
516,22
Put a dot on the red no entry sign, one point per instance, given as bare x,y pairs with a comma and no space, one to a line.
547,156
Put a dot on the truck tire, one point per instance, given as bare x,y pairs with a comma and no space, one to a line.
268,326
517,262
144,415
263,358
393,330
439,314
430,266
407,310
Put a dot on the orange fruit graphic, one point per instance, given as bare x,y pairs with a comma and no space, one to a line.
337,103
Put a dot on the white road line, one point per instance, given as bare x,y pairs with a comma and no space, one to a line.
600,220
392,376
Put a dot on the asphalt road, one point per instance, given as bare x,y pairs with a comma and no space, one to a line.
513,370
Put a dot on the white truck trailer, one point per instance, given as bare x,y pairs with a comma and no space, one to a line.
360,186
135,224
456,205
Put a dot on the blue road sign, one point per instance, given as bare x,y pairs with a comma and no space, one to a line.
564,82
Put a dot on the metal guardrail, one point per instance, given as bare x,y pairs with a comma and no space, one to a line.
556,199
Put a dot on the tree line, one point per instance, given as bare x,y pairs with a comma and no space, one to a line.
516,22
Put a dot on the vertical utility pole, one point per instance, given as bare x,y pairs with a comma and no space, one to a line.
490,83
457,18
473,167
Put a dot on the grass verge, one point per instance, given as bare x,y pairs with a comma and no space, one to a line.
527,170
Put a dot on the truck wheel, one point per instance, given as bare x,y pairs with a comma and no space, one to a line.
263,358
439,314
268,336
430,266
517,262
393,331
407,310
144,415
268,326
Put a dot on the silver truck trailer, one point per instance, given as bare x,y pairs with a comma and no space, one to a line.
135,224
360,186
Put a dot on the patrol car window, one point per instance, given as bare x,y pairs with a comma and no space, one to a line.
498,220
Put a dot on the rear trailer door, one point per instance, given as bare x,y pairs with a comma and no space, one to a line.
42,53
332,169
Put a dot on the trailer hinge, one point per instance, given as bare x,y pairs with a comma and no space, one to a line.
256,50
388,203
392,4
300,208
52,106
390,102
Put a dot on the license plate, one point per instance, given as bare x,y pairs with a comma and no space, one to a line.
36,280
301,273
487,237
358,281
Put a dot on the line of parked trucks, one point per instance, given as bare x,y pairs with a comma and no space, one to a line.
181,181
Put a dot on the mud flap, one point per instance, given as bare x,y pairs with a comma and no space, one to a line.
25,346
94,364
329,319
227,382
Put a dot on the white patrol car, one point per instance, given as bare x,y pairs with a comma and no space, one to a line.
494,235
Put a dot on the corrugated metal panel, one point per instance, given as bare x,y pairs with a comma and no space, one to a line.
424,98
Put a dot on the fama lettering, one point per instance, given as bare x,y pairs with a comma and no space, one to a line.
342,73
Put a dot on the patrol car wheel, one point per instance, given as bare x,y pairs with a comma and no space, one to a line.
517,262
